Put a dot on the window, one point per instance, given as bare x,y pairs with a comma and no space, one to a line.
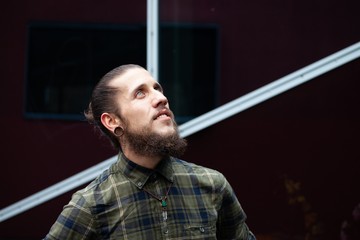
188,68
65,61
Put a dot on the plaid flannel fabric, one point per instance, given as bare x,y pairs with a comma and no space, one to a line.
200,205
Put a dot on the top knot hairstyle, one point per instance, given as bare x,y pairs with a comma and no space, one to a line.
103,101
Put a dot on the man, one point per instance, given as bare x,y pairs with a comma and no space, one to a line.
148,193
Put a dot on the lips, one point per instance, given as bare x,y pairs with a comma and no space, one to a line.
164,113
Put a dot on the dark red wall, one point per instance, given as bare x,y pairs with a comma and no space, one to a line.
308,135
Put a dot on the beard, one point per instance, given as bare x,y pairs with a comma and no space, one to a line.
147,143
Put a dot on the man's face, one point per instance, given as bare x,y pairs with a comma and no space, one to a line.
142,103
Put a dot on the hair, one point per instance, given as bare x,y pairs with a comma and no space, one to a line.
102,101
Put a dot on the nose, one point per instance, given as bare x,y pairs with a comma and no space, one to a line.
159,99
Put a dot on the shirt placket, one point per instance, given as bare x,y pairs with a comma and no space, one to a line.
159,187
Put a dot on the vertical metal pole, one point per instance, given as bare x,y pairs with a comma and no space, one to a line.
152,38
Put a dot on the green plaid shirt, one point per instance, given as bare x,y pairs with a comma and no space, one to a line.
124,202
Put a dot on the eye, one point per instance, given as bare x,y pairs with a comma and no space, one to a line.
158,88
139,93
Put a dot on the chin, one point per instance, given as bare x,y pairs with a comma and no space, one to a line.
167,132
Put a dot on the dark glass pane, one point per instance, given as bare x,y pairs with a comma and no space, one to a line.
66,61
188,68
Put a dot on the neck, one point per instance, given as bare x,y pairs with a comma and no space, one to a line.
145,161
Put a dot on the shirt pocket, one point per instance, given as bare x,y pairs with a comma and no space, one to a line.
199,231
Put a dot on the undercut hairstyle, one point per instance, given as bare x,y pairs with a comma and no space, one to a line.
103,101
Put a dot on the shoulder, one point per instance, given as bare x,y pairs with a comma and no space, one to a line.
200,174
100,187
182,165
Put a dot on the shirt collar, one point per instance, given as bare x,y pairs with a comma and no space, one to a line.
140,175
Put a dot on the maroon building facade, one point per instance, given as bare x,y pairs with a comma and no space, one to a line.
293,160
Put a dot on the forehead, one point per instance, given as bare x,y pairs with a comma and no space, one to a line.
131,79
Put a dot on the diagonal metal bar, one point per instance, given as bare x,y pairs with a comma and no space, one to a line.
55,190
272,89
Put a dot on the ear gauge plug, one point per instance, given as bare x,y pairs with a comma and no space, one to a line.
119,131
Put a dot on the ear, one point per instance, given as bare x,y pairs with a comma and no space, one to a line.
110,121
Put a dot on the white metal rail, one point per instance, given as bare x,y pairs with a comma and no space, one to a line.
272,89
262,94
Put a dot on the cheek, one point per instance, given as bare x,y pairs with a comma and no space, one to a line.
137,114
137,118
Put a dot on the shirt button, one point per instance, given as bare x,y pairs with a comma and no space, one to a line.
139,184
166,231
202,229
